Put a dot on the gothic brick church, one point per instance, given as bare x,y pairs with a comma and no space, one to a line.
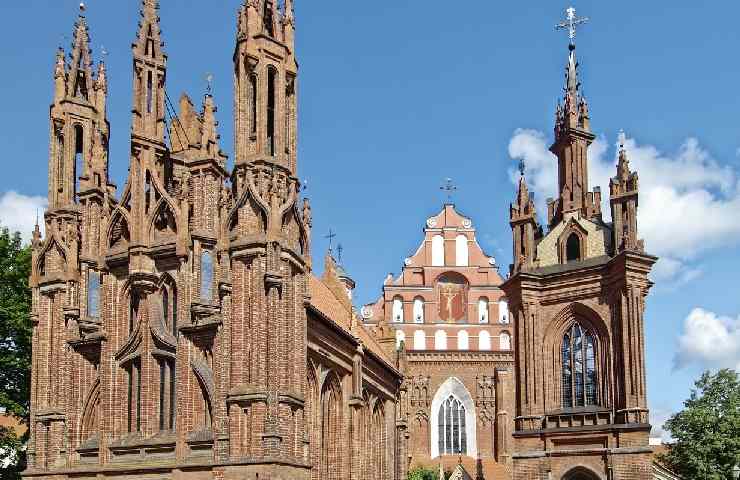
180,332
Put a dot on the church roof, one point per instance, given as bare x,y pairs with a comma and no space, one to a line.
324,300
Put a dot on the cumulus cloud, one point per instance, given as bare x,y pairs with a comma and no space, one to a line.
709,340
658,434
18,213
687,199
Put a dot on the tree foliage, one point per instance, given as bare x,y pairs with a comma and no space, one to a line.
15,344
423,473
707,430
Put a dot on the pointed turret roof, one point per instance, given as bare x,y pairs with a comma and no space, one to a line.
81,67
149,36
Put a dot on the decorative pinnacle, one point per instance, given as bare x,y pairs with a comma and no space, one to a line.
209,80
571,23
522,167
622,140
82,7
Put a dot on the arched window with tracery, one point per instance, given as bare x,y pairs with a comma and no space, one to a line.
578,371
452,436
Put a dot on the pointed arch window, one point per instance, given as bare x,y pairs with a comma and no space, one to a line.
133,371
60,162
573,248
206,276
167,394
452,436
149,92
79,149
271,103
578,371
93,294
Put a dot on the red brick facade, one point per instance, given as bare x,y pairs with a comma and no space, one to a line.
180,333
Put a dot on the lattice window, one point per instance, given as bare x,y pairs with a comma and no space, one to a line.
452,434
578,372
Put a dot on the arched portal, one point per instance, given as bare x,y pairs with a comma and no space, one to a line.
581,473
458,410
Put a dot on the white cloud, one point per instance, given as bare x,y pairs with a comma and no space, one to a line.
18,213
658,417
709,340
687,200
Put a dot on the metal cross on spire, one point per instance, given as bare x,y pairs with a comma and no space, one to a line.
331,235
571,23
449,188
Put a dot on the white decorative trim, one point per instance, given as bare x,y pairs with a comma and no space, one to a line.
453,386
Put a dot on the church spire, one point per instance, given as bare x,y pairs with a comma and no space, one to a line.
150,69
572,138
80,78
524,226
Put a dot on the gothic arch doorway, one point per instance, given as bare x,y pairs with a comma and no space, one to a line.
453,421
581,473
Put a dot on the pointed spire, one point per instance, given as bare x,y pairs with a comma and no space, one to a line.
81,68
210,137
148,38
288,13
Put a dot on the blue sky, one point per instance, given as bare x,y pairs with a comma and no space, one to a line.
395,96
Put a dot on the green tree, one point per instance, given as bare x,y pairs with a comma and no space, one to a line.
423,473
707,430
15,344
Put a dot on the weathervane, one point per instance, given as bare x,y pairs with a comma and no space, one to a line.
448,187
571,23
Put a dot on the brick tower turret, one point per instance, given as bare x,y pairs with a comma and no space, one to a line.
577,296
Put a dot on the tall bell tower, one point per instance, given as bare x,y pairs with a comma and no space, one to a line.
577,297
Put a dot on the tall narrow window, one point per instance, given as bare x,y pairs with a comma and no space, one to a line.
505,340
418,310
79,148
132,307
484,340
452,435
483,310
400,337
93,294
267,18
60,162
167,394
134,396
463,342
579,382
174,311
271,91
438,251
206,276
397,311
253,87
461,251
573,248
440,340
165,307
420,340
503,311
149,92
